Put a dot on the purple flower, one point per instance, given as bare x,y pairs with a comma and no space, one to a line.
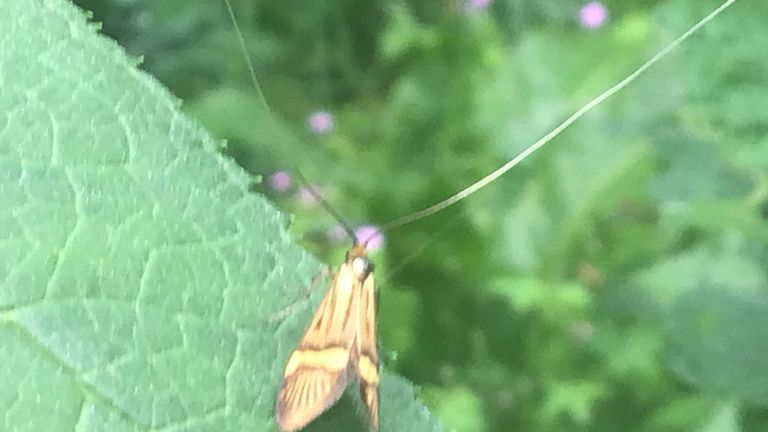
593,15
279,181
478,5
337,234
320,123
306,197
370,237
582,330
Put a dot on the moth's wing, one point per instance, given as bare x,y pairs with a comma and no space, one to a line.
367,364
306,394
370,395
317,371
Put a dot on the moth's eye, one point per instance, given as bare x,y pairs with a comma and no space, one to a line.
361,266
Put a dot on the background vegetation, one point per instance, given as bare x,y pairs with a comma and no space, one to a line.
615,281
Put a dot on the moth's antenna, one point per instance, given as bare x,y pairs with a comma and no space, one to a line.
316,195
255,81
474,187
246,55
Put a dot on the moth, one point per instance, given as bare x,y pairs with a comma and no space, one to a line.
338,346
340,342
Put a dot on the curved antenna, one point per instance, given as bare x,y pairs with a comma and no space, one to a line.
498,172
246,55
316,195
255,81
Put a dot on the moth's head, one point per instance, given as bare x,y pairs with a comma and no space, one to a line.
357,258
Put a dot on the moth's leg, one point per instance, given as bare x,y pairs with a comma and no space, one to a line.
282,314
385,355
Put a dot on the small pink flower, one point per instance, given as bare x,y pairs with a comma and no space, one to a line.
593,15
582,330
279,181
306,197
320,123
478,5
337,234
370,237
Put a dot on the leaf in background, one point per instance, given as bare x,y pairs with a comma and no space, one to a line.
694,159
725,419
676,275
718,340
713,310
459,406
137,272
577,400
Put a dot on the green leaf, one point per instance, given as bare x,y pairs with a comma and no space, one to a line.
713,310
575,399
718,341
138,273
725,419
460,408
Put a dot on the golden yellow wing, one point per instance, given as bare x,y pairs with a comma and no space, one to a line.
317,371
367,360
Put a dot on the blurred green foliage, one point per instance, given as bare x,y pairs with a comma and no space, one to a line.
617,280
